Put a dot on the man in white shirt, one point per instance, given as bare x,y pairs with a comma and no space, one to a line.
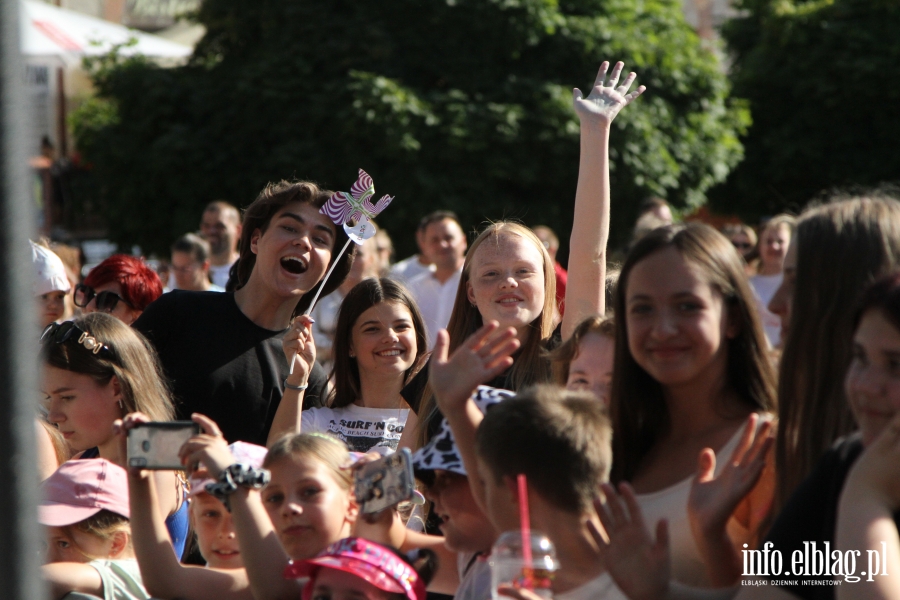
220,225
409,268
444,243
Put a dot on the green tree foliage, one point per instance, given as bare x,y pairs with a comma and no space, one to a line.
823,81
461,104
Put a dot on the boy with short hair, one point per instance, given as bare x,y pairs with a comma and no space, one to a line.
559,439
466,529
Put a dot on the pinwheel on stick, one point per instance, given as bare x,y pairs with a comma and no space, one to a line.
345,208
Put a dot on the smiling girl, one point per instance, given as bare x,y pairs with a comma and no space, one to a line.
379,345
223,351
690,368
306,505
508,276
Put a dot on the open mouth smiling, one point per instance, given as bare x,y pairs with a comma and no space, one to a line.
294,265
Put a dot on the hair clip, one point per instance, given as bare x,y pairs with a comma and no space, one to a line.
90,342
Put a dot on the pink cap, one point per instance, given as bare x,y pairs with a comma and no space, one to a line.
243,452
367,560
79,489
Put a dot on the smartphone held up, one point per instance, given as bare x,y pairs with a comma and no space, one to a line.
155,445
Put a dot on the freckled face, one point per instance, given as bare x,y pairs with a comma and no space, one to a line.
506,281
677,322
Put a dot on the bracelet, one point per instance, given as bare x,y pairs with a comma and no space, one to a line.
238,474
299,388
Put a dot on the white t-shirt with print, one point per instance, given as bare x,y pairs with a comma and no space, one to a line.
362,429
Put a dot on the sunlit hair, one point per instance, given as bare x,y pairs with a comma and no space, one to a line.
562,356
131,359
559,439
841,248
259,215
330,451
531,365
140,284
639,412
361,298
103,525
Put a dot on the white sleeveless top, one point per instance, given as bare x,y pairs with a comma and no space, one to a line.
671,503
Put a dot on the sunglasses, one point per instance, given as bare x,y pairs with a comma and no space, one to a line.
60,333
106,301
742,245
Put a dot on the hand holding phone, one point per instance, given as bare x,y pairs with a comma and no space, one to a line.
155,445
385,482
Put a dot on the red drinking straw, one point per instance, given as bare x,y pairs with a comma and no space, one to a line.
525,525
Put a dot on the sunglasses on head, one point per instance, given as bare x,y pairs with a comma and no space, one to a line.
106,301
60,333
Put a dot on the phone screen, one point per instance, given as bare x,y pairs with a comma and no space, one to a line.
155,445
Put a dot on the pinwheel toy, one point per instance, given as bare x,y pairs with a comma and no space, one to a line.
345,208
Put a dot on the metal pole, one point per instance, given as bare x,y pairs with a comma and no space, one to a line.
19,560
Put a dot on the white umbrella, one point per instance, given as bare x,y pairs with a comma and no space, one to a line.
50,31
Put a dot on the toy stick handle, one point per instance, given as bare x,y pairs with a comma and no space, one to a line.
319,293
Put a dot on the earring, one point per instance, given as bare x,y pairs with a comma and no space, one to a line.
121,405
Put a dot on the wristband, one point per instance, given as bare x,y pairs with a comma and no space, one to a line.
238,474
298,388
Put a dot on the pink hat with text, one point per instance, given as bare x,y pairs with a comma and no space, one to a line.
79,489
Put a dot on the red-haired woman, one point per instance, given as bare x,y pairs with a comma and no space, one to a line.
121,285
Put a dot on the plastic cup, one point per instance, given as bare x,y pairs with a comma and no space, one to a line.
508,565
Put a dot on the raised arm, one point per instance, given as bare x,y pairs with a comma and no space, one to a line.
585,290
162,574
299,346
483,356
264,557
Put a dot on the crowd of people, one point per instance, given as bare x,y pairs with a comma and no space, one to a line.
718,416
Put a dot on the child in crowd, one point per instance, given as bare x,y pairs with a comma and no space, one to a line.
358,568
848,503
773,246
508,275
85,510
379,345
96,370
690,368
224,577
465,527
585,360
51,285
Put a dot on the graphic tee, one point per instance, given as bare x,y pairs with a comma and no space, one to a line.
362,429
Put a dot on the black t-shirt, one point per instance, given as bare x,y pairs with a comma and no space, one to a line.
810,516
221,364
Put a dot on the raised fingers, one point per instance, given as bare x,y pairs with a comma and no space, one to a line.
616,72
601,74
634,94
206,424
623,89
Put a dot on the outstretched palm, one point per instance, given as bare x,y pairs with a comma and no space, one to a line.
605,101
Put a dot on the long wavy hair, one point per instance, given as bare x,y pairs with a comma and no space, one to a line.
361,298
131,359
531,364
842,247
639,411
